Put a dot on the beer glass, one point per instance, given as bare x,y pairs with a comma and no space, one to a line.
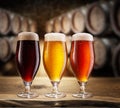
28,60
82,60
55,59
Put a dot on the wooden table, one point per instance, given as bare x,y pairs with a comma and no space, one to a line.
106,93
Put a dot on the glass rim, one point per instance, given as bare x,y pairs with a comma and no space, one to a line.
82,36
28,36
55,36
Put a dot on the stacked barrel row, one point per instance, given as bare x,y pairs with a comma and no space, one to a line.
12,23
105,50
102,19
72,21
98,18
7,54
7,48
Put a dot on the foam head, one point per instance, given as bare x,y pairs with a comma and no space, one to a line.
82,36
55,37
28,36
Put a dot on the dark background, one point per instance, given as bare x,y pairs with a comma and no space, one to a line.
42,10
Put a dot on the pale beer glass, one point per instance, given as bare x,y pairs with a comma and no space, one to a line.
55,59
82,60
27,60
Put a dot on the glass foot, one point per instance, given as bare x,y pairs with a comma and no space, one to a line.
27,95
53,95
82,95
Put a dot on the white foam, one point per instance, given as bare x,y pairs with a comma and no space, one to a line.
28,36
82,36
55,37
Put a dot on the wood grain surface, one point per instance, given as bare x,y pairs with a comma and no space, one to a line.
106,93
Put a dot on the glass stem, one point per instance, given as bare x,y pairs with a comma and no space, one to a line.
82,87
27,87
55,87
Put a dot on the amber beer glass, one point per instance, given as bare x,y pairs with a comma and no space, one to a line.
82,60
55,59
28,60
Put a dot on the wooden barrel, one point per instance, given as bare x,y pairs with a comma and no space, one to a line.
97,18
116,61
5,50
13,44
32,26
103,51
115,17
4,22
24,24
9,68
66,23
78,20
15,24
57,24
49,26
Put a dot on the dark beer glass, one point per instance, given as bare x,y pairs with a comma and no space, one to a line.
55,59
28,60
82,60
